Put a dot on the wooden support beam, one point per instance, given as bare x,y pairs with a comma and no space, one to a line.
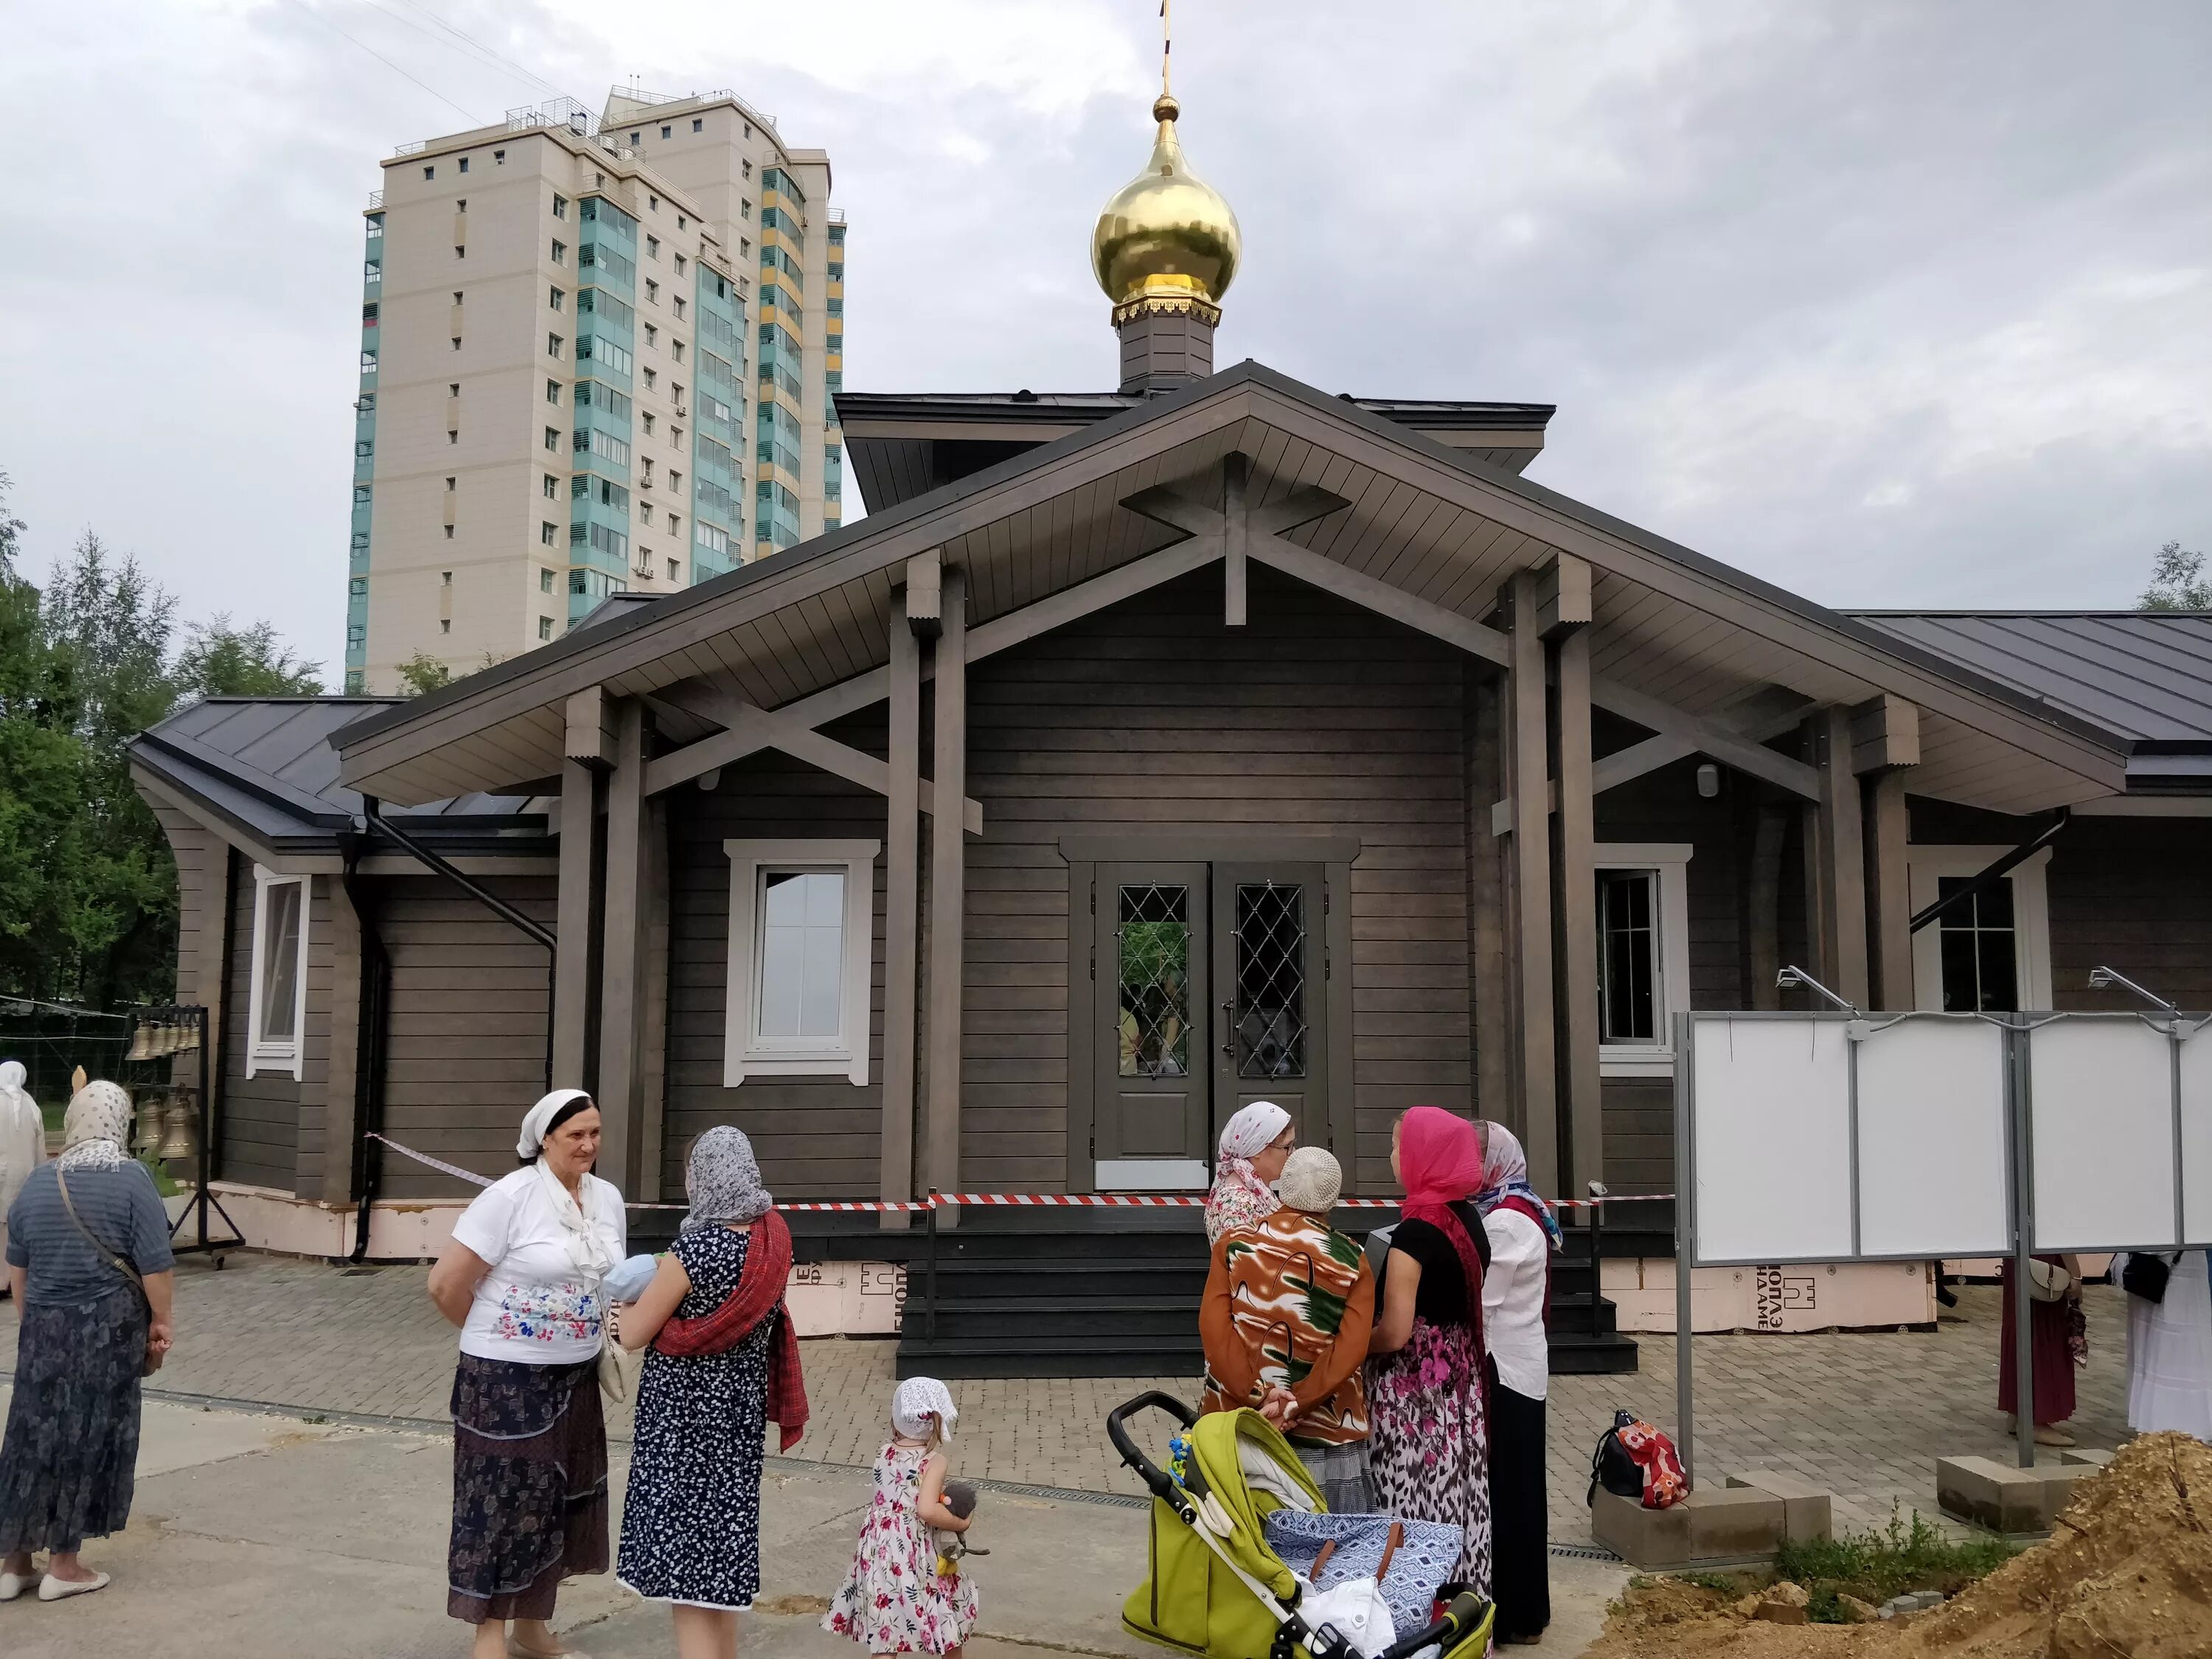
1639,759
925,582
1836,884
1710,736
948,872
1884,732
577,914
1563,596
796,738
1889,903
591,727
1001,633
622,977
902,895
1380,597
1529,885
1236,537
1574,908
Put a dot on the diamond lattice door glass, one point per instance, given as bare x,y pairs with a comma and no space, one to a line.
1270,1012
1153,947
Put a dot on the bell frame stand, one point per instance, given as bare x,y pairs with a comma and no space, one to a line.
203,1198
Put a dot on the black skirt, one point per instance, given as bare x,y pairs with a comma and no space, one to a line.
71,1452
1520,1554
529,1487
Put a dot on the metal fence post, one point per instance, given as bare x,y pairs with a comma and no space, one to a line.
1685,1234
2018,1085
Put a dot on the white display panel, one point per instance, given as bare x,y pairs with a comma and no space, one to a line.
1772,1141
2101,1099
2197,1137
1933,1170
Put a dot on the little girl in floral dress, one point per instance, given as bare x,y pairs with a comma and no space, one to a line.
895,1600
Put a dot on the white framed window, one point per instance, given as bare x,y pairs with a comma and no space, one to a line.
277,996
801,946
1991,953
1642,955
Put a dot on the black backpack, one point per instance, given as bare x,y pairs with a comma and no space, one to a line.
1612,1467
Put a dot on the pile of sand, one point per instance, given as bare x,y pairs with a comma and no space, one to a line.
2127,1574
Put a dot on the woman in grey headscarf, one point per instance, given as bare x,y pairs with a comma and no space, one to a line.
725,1362
22,1140
88,1261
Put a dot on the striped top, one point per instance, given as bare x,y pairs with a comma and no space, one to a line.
122,1208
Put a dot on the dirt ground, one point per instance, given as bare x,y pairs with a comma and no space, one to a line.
2126,1575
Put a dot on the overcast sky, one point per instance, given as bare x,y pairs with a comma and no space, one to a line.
1894,304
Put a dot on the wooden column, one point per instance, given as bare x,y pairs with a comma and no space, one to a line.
948,870
902,905
622,977
341,1078
1565,610
1237,538
1889,831
574,924
1884,743
1529,883
1836,882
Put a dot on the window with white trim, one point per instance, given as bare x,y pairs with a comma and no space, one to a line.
801,946
278,998
1642,955
1990,952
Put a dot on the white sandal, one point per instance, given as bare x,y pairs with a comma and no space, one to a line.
51,1588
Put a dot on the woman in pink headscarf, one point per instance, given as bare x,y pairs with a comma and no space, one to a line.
1428,1447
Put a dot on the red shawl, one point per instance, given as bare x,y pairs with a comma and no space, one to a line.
1440,1162
759,1296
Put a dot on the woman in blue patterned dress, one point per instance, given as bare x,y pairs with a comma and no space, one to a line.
690,1529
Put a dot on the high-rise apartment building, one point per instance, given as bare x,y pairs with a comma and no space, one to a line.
598,354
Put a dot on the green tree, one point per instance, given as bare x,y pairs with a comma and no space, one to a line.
221,659
424,672
2178,582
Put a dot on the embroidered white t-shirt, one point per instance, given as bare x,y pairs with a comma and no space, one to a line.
533,1306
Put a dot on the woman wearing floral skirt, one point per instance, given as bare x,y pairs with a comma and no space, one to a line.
1428,1447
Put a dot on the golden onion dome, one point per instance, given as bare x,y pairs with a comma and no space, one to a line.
1167,234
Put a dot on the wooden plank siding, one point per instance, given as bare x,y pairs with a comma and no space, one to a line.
815,1137
1315,718
465,1052
1665,806
259,1118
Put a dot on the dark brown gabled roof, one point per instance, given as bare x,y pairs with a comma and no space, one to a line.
1436,522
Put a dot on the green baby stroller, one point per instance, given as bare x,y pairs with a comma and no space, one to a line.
1214,1586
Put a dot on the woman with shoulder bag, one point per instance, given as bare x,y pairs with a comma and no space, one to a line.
89,1263
2054,1291
525,1279
2169,1342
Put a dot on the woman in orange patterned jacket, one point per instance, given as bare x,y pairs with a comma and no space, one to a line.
1288,1304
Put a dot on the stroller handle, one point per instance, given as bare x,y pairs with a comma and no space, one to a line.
1463,1614
1157,1480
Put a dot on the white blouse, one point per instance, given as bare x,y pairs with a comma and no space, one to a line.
1513,1302
533,1306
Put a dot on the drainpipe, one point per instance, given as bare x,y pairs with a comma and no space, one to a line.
1997,872
369,1042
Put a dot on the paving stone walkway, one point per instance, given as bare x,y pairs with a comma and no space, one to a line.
1865,1414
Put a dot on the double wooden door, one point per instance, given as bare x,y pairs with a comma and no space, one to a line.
1209,991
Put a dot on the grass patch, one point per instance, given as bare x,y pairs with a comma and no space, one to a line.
1725,1584
1876,1564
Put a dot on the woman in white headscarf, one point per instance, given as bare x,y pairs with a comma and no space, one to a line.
724,1360
524,1279
88,1261
1253,1143
22,1139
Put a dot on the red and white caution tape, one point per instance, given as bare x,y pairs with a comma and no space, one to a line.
1019,1200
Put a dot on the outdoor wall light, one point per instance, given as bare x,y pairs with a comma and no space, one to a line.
1790,978
1709,780
2104,979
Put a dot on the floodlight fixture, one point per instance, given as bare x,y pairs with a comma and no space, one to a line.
1790,978
2103,979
